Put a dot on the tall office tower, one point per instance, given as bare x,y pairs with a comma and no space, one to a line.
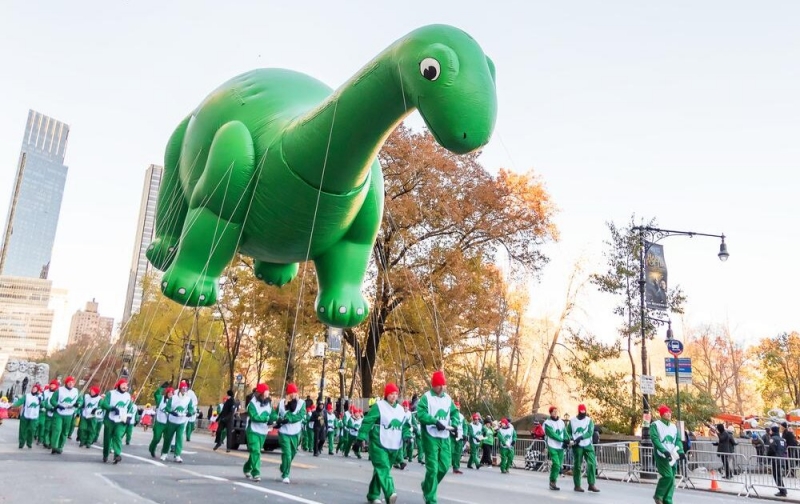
144,235
88,325
25,317
36,199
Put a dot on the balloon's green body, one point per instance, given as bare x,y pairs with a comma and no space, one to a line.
276,165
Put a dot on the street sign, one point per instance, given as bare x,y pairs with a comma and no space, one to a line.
239,378
684,369
647,384
675,347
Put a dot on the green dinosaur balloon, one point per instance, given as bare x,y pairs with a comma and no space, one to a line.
276,165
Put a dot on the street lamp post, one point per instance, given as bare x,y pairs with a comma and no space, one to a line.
647,236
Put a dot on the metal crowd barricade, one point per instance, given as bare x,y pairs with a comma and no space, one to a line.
764,476
613,458
704,465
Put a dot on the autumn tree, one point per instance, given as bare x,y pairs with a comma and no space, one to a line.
779,362
446,219
722,368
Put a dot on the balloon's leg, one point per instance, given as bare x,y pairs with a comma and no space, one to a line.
341,269
172,204
213,225
275,274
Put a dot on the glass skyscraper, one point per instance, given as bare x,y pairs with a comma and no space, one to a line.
36,199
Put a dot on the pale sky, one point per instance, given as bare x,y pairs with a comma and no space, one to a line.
685,111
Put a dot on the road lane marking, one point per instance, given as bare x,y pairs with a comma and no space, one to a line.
268,460
257,488
135,457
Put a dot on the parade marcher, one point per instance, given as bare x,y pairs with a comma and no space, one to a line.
29,404
118,405
506,437
291,414
417,429
666,444
133,421
434,411
63,401
47,409
330,426
355,426
162,395
148,415
408,443
475,434
179,408
385,426
556,434
191,419
457,438
347,424
580,431
89,423
777,451
488,442
259,417
4,406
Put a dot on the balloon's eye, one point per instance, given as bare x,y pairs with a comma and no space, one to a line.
429,68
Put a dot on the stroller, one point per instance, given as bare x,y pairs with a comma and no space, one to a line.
535,457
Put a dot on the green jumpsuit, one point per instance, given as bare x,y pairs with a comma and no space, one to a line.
289,433
63,402
664,436
434,412
386,426
457,442
179,407
259,416
117,405
89,424
580,431
330,426
28,417
506,437
555,433
159,421
475,433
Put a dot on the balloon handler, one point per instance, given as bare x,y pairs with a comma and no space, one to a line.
260,416
506,436
666,451
179,407
434,410
291,414
87,430
30,405
580,430
386,426
118,405
63,401
556,434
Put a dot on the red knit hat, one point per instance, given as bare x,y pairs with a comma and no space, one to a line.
437,380
261,388
169,390
94,390
183,384
54,383
552,408
35,386
476,416
329,407
120,382
405,404
581,408
291,388
390,388
458,404
504,420
69,379
664,409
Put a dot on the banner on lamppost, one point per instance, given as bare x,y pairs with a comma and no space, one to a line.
655,277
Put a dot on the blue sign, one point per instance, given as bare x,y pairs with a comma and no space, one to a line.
239,378
675,347
684,366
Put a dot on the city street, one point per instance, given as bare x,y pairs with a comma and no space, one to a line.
214,477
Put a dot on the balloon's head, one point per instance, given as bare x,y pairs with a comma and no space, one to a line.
451,81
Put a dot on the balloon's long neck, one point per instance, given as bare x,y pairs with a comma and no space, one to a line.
332,146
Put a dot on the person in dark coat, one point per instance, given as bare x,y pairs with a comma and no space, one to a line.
319,428
725,448
792,452
777,450
225,421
